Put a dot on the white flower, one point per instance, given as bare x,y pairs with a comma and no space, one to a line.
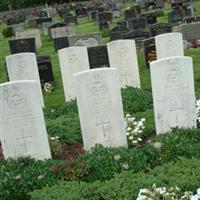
18,176
198,191
157,145
40,177
116,157
195,197
127,133
143,191
128,129
125,166
130,137
143,119
134,141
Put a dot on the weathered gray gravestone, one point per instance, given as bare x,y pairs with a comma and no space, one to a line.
173,93
100,108
23,132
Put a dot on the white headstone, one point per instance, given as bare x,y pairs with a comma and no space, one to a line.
100,108
23,66
122,55
173,93
23,132
31,33
169,45
62,31
72,60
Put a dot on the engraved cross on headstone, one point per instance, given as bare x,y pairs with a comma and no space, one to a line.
104,125
24,138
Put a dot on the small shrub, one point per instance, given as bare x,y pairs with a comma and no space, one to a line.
136,100
8,32
183,174
19,177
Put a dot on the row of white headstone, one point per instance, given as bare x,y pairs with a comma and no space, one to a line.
99,101
122,56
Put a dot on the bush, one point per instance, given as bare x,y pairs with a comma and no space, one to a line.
19,177
127,184
8,32
136,100
64,122
105,163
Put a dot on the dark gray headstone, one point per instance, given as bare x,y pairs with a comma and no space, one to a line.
45,69
98,57
161,28
60,43
22,45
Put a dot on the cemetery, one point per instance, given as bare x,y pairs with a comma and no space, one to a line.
100,100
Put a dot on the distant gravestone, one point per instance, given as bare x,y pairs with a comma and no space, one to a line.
45,70
100,108
130,14
72,60
161,28
189,31
70,19
149,48
117,32
11,21
89,40
138,36
60,43
172,43
93,15
122,56
23,66
105,16
175,16
23,132
188,20
39,21
81,12
32,22
173,93
62,31
98,57
45,27
55,25
31,33
22,45
137,23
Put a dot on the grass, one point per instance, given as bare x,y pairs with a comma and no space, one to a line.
86,26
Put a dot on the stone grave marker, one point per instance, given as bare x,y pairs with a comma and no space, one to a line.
137,23
172,43
138,36
23,131
189,31
31,33
105,16
173,93
90,40
45,69
117,32
17,27
62,31
60,43
122,56
103,25
175,16
93,15
23,66
46,26
70,19
100,108
81,12
72,60
39,21
130,14
98,57
149,48
22,45
157,29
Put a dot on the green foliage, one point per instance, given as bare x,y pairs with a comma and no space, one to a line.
105,32
19,177
184,174
64,122
104,163
8,32
136,100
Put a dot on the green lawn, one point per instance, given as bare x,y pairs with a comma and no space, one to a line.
86,26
